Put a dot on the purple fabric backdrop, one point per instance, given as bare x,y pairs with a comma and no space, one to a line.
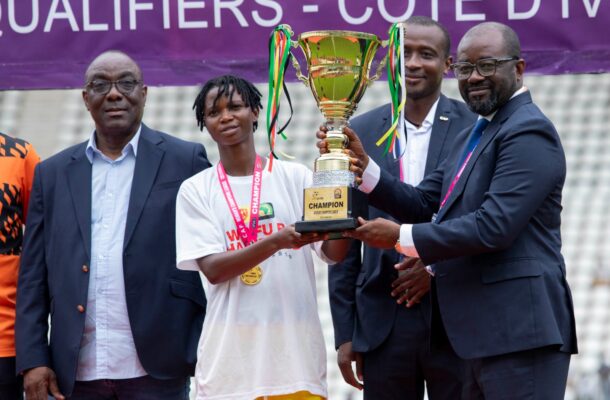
48,43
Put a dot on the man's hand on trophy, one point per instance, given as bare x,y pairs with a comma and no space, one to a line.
355,145
322,143
355,165
381,233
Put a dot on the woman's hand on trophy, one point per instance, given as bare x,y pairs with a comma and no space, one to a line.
288,238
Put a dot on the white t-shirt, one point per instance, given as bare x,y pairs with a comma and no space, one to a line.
259,340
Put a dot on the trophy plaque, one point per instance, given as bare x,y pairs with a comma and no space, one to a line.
338,65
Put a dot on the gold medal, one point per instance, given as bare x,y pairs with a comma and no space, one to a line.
253,276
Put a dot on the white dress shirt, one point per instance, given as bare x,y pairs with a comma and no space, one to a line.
107,349
413,159
416,153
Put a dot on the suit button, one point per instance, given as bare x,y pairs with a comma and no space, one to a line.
80,308
85,268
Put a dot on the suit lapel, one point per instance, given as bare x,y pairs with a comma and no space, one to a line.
148,160
440,127
387,162
79,184
490,132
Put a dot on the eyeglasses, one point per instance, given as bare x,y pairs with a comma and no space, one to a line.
103,86
485,67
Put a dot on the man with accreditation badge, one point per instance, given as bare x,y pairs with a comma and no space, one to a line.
487,226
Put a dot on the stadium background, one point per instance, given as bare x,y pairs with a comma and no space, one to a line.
579,105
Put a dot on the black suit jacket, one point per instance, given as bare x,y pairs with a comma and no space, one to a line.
362,308
500,276
166,306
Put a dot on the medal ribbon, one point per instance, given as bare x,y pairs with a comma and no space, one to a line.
247,235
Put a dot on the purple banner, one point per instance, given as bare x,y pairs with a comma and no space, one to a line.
49,43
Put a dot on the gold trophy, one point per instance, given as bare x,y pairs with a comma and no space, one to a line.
338,65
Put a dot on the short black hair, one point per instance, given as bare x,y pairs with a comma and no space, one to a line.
227,85
421,20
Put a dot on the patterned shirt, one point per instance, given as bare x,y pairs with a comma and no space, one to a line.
18,160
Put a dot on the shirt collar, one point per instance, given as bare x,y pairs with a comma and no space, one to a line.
427,123
522,89
131,146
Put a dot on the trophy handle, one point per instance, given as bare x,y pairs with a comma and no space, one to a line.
381,65
297,67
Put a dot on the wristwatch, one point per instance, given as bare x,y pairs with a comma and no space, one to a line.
410,251
397,246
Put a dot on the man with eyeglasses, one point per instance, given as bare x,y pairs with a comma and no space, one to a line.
99,256
487,226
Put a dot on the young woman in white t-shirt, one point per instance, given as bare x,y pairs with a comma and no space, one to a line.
261,337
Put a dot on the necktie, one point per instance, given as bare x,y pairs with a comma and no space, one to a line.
475,137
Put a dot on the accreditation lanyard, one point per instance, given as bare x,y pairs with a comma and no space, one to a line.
247,235
399,153
457,176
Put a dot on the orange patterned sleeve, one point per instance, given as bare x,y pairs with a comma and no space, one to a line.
31,160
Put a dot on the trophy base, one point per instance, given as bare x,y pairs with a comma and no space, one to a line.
332,209
329,225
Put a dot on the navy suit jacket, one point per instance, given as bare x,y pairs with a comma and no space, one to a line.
500,277
362,308
166,306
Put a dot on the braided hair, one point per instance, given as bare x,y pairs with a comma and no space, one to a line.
227,85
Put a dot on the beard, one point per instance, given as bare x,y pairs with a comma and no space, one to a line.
500,92
484,107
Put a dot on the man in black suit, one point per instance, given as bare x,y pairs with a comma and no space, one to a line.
487,225
393,340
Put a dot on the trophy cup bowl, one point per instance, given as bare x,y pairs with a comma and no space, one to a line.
338,66
338,63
